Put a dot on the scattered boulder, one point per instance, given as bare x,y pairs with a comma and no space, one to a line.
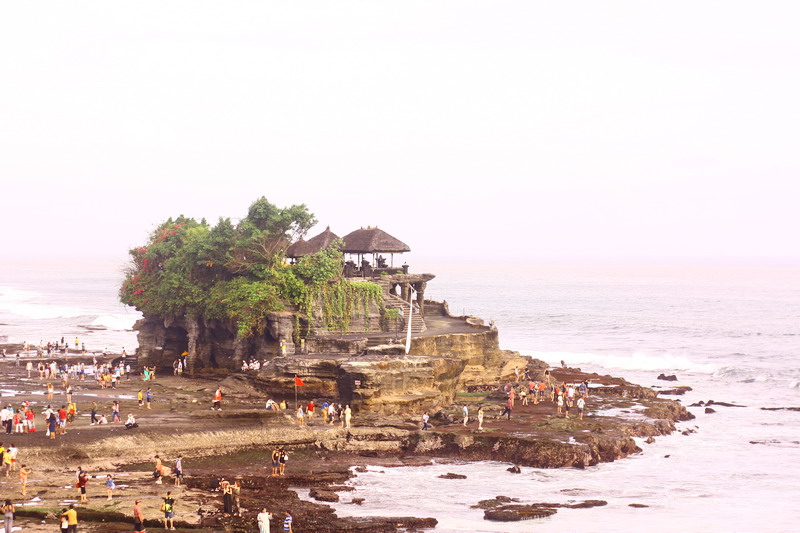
451,475
586,504
357,501
723,404
514,469
671,377
494,502
709,410
638,505
515,513
324,495
650,440
677,391
780,408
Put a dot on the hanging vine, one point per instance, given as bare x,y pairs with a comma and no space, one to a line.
343,301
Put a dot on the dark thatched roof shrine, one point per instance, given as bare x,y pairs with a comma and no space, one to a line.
312,245
372,240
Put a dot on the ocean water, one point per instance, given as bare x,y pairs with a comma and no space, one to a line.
43,301
732,333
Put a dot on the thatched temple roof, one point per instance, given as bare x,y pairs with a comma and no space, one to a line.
312,245
372,240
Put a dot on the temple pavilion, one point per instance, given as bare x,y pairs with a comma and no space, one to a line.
365,251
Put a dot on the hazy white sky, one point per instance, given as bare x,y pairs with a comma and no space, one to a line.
542,130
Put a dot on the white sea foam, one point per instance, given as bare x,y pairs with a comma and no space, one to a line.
30,304
633,361
115,322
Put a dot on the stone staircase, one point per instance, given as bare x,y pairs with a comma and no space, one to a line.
395,302
417,322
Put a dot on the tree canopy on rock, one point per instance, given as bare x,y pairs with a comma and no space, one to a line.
237,272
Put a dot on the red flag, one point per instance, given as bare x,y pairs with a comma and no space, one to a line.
298,382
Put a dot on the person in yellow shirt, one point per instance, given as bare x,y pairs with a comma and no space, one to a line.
72,519
7,462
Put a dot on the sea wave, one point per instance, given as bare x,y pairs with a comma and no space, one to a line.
112,322
632,361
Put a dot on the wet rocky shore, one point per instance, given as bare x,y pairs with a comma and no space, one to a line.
236,444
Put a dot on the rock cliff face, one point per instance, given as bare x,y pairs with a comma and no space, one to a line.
395,386
484,361
464,353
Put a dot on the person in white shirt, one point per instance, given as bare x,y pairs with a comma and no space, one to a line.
262,520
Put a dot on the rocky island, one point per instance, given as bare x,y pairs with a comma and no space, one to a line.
260,313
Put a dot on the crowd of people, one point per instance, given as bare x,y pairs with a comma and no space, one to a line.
21,419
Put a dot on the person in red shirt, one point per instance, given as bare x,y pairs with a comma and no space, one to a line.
217,400
62,420
81,484
31,422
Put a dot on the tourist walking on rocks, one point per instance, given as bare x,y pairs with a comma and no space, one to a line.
8,515
24,473
301,417
6,461
169,511
62,420
275,461
50,418
81,485
425,419
287,524
282,461
348,415
138,517
72,518
115,412
559,404
217,405
148,396
237,494
110,486
581,405
30,419
262,520
466,414
507,408
63,521
13,451
140,398
159,471
177,469
480,419
227,496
